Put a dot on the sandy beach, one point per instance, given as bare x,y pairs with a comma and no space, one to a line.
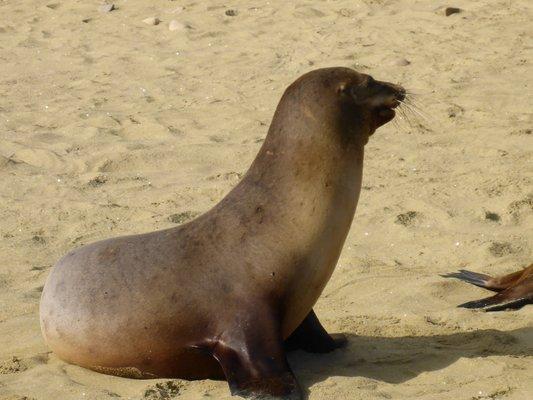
112,125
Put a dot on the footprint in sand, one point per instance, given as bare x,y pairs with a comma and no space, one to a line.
13,365
519,208
163,390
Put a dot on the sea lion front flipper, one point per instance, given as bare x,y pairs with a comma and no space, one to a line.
311,336
255,364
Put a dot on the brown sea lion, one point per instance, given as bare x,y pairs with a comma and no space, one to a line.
514,290
227,293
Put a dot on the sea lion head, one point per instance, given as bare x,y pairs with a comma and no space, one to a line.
344,102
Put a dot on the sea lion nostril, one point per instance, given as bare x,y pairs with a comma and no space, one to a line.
400,95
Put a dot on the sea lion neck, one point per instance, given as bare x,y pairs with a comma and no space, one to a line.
302,174
304,148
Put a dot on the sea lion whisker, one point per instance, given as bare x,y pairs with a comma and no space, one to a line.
415,111
414,108
405,117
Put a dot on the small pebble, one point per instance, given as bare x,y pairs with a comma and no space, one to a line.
451,10
447,11
106,7
402,62
175,26
177,10
151,21
491,216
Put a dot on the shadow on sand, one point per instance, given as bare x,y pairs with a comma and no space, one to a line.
398,359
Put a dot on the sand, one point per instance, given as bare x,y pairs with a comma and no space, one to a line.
110,125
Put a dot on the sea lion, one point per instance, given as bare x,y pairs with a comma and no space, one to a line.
514,290
226,293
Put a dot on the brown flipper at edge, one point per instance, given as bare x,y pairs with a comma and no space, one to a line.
254,362
311,337
496,284
514,297
511,305
473,278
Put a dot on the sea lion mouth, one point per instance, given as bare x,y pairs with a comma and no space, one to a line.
385,111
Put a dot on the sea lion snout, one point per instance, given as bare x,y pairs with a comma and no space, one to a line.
384,97
385,94
381,98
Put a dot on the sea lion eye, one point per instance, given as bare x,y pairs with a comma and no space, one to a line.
354,94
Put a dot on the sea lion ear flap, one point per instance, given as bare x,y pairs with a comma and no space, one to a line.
347,89
343,88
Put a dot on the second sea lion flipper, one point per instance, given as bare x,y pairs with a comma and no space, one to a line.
473,278
255,364
311,336
482,303
514,298
514,304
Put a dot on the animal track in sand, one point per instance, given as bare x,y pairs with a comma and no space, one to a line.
500,249
12,365
517,209
226,176
15,364
163,390
182,217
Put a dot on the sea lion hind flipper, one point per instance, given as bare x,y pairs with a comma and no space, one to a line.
514,298
310,336
473,278
255,365
514,304
482,303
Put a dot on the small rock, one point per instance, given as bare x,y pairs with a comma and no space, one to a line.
106,7
231,13
152,21
86,20
451,10
402,62
492,216
175,26
447,11
176,10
